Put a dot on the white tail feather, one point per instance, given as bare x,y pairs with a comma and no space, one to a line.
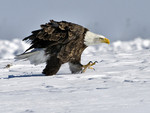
35,57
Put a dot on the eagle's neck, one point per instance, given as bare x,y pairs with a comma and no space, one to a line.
91,38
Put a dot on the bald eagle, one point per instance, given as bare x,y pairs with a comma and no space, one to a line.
57,43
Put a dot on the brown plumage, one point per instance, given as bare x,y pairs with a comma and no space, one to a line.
57,43
62,40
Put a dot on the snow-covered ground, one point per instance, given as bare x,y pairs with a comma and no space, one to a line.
119,84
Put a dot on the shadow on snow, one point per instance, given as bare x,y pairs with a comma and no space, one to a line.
34,75
23,76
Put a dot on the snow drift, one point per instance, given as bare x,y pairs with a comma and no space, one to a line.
8,49
119,84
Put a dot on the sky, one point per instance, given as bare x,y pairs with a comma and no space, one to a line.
115,19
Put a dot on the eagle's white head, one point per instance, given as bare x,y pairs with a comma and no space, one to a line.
94,39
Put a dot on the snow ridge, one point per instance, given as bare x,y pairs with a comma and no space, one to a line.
10,48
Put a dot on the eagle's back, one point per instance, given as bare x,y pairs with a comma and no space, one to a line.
54,33
63,38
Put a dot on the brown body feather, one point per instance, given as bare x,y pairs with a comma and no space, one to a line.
64,41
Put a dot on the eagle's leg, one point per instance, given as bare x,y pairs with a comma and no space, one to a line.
88,66
52,67
75,67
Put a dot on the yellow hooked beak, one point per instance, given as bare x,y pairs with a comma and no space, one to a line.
105,40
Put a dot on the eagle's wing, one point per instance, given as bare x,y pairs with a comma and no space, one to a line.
54,33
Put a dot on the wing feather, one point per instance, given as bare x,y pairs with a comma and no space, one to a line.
53,33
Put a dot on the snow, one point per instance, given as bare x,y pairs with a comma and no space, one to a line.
119,84
10,48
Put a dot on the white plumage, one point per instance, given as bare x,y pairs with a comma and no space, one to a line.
35,57
92,38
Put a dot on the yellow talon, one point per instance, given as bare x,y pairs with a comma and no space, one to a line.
94,63
88,66
91,68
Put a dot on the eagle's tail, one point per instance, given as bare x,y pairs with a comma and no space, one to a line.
35,57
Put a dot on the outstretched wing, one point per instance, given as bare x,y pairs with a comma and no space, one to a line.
54,33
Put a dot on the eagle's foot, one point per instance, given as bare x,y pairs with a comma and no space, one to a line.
88,66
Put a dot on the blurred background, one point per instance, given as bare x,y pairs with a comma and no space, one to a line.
116,19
